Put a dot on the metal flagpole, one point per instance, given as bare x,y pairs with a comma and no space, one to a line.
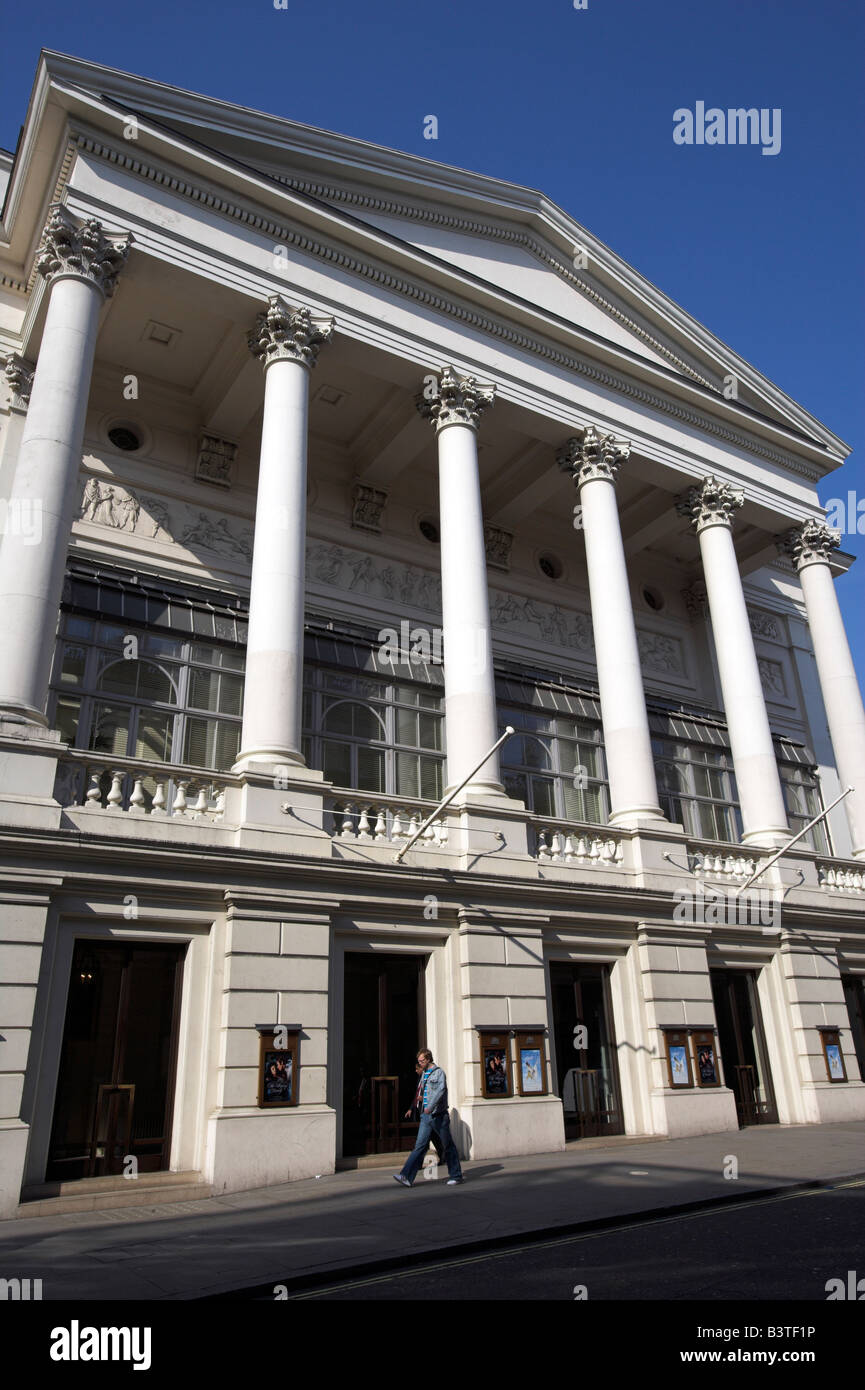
783,850
450,796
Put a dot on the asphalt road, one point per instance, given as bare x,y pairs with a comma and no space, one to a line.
781,1248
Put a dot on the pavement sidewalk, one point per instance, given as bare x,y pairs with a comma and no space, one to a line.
350,1220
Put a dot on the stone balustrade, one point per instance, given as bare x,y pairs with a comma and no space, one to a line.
840,878
135,788
565,843
708,863
375,821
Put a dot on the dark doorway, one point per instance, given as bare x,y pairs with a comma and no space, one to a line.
115,1087
743,1047
854,993
385,1023
586,1063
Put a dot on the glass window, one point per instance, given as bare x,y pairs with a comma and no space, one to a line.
555,766
142,707
802,798
696,789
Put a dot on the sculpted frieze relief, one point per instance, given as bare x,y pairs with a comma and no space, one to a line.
121,508
772,677
764,624
660,653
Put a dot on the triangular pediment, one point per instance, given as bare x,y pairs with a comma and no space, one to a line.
497,238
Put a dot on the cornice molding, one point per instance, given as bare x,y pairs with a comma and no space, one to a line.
313,246
491,232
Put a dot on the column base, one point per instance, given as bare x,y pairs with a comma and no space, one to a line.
507,1128
20,713
767,837
250,1148
633,817
14,1135
268,759
680,1114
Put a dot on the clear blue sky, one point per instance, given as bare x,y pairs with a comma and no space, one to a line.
766,251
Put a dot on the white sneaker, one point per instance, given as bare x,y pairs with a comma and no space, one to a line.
398,1177
453,1182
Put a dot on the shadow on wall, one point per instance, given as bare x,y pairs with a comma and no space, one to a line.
462,1135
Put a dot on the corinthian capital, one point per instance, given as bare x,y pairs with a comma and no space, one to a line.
710,503
592,455
284,333
19,378
810,543
454,400
75,246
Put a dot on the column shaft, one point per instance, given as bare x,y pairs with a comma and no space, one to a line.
33,562
593,460
764,817
470,691
810,545
274,652
287,340
627,741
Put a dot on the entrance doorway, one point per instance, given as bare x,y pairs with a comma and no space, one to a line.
854,993
743,1046
115,1088
586,1063
385,1026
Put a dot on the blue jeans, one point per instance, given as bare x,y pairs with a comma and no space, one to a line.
440,1125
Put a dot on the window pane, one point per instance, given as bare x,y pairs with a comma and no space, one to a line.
137,678
516,785
74,661
153,738
209,655
431,779
543,796
79,627
212,691
110,730
66,718
211,743
406,727
429,731
358,721
336,759
370,769
160,646
407,775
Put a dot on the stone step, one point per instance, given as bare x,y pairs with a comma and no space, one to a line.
105,1194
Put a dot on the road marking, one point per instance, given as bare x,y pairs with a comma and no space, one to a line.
719,1210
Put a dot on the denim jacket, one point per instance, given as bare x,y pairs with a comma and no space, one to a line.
437,1092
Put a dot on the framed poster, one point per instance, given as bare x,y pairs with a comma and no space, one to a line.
531,1064
495,1048
832,1054
707,1071
678,1057
278,1064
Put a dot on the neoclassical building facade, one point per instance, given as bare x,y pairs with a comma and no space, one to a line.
337,484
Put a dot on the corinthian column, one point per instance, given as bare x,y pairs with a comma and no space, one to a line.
287,340
470,692
593,460
810,547
711,507
81,265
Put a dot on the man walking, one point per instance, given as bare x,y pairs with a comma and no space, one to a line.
415,1113
433,1090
